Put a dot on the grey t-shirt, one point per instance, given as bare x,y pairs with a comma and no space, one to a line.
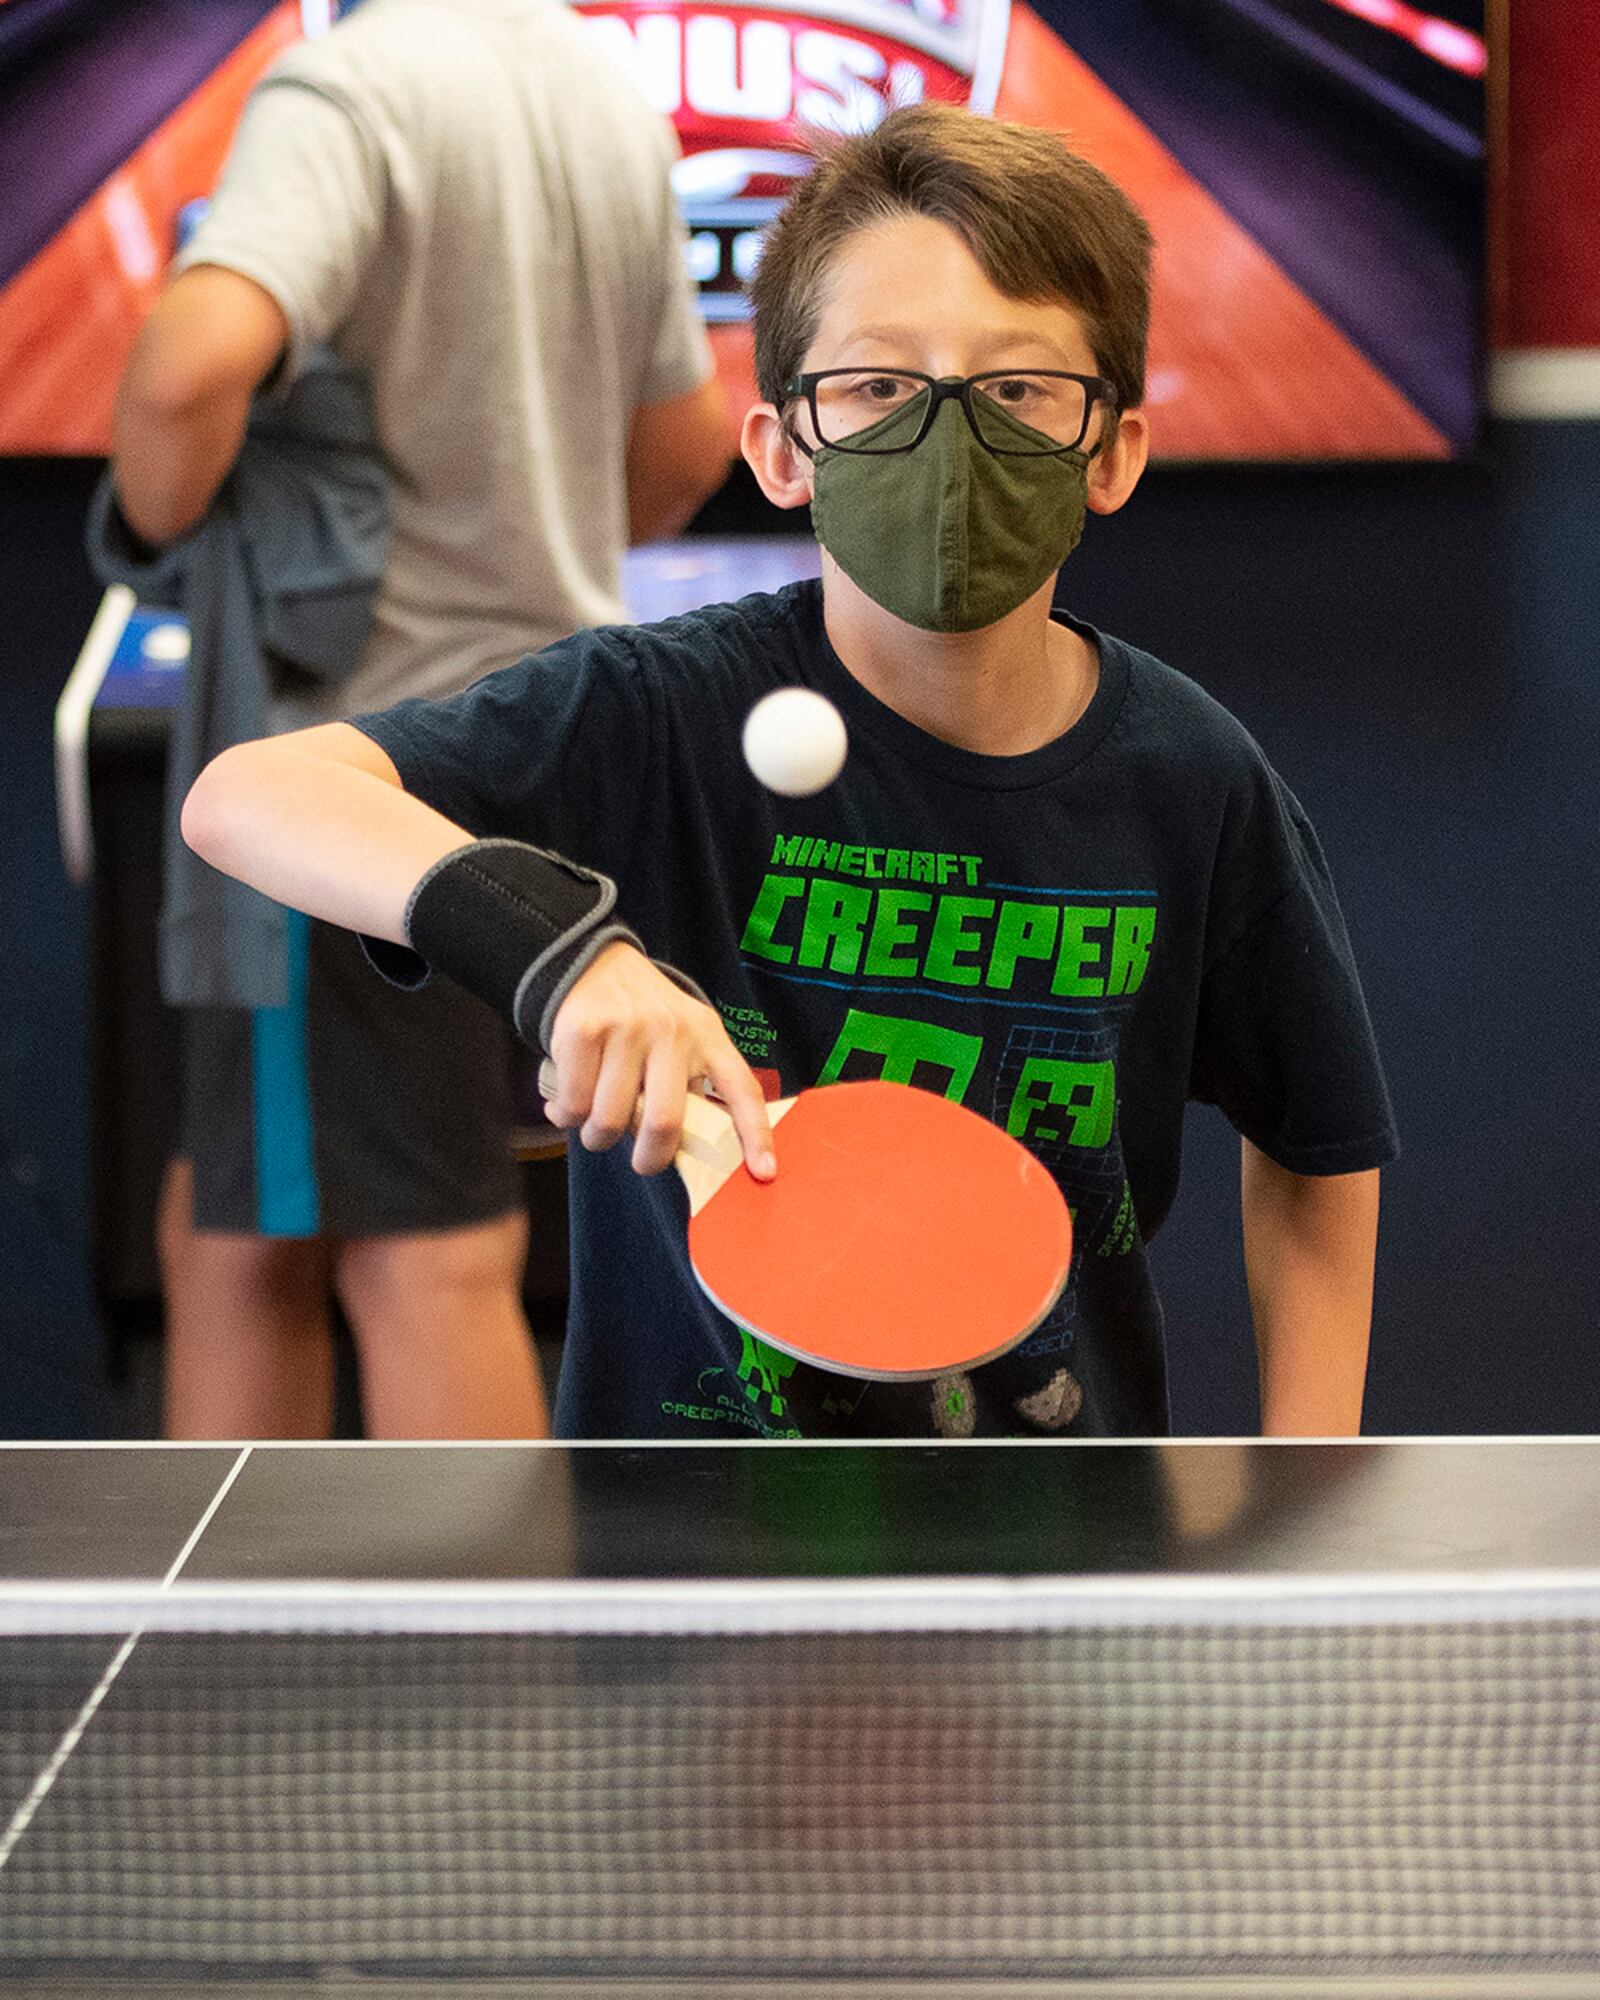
470,202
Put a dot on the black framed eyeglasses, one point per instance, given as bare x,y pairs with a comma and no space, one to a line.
1050,403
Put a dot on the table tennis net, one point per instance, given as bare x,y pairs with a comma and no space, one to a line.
1366,1792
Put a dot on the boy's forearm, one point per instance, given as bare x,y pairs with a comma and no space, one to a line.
1310,1245
319,821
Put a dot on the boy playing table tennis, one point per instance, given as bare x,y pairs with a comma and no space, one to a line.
1054,881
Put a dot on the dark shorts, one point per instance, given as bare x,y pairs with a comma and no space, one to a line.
354,1110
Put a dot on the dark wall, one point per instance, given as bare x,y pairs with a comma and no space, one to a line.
1416,648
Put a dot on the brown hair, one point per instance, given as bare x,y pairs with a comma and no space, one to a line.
1041,222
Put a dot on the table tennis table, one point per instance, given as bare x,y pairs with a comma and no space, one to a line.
1201,1718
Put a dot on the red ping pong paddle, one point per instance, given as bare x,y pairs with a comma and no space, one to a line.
903,1237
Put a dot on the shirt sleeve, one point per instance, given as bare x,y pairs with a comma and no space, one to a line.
680,355
1284,1045
551,750
299,209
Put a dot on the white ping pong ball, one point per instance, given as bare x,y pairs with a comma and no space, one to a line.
794,741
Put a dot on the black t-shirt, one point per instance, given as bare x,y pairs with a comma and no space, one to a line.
1073,942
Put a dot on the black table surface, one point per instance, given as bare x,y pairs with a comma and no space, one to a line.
333,1817
505,1513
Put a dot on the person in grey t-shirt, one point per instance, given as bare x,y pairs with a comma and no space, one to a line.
466,200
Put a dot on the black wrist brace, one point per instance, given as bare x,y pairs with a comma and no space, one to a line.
515,925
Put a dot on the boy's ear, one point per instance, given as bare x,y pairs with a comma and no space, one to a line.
782,471
1114,470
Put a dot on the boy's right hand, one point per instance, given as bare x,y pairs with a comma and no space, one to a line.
628,1045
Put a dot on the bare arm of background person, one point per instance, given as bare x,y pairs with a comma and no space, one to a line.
679,452
213,338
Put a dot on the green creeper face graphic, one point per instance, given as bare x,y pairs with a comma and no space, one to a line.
763,1370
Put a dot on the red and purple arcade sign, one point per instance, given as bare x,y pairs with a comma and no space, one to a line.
745,84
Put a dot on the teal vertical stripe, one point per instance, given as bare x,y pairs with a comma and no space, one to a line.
286,1168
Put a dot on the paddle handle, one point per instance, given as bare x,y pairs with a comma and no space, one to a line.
707,1153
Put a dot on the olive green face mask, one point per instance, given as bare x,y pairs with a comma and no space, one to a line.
948,536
